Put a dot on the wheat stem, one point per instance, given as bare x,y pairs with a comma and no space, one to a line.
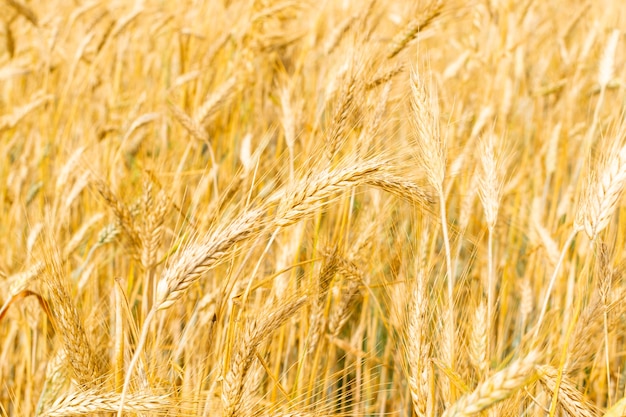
555,273
133,362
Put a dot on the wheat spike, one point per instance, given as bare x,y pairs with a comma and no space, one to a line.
91,402
416,342
602,193
496,388
86,368
413,28
570,398
255,332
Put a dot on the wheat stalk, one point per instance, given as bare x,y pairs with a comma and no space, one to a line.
490,190
431,146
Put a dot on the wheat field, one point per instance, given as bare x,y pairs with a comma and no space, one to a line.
248,208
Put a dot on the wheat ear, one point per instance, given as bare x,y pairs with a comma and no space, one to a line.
602,193
91,402
478,341
413,28
254,334
68,323
496,388
570,398
322,287
417,346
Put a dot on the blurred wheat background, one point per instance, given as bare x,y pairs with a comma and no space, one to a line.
312,208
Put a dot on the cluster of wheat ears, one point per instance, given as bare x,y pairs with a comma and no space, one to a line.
247,208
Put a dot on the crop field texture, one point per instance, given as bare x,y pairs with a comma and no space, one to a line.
242,208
